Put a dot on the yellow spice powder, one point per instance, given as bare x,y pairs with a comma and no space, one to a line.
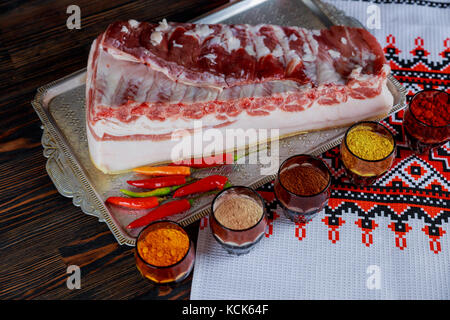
163,244
369,145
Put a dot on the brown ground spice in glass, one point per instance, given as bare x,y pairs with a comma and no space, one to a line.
238,212
303,179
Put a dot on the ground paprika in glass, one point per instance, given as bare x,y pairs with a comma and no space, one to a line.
302,187
426,121
304,179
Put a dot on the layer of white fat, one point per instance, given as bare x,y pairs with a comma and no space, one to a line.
334,54
316,117
143,125
118,55
201,31
326,73
163,26
133,23
231,42
259,48
278,52
282,48
211,57
357,74
109,64
310,51
157,34
156,38
293,37
89,71
249,48
176,45
113,156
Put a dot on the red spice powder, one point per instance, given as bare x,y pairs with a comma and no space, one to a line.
432,108
303,179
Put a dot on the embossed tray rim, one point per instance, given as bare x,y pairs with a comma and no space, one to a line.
68,175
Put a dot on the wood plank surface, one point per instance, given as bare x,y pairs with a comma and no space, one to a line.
41,232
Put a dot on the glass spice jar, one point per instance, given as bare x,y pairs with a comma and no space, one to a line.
365,171
236,237
177,270
302,204
426,121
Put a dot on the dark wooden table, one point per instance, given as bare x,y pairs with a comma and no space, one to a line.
41,232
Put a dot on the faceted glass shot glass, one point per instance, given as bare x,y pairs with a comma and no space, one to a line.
297,207
422,137
237,241
362,172
162,275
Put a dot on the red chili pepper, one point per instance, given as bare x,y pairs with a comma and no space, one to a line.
206,162
203,185
159,182
135,203
165,210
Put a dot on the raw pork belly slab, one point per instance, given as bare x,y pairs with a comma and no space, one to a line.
145,80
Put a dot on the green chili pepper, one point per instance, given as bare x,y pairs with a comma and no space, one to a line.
153,193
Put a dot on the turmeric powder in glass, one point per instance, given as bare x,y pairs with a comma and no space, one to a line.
367,152
164,253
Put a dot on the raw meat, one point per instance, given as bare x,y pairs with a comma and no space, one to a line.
146,80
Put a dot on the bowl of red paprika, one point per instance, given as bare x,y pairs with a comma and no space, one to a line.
426,121
302,187
164,252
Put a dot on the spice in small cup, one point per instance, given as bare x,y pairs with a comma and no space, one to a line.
164,253
302,187
238,219
426,121
367,152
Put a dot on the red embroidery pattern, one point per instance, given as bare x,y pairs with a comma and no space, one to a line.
400,240
367,226
417,186
418,72
271,207
333,227
434,236
300,230
269,230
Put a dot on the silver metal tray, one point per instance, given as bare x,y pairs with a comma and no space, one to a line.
60,106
